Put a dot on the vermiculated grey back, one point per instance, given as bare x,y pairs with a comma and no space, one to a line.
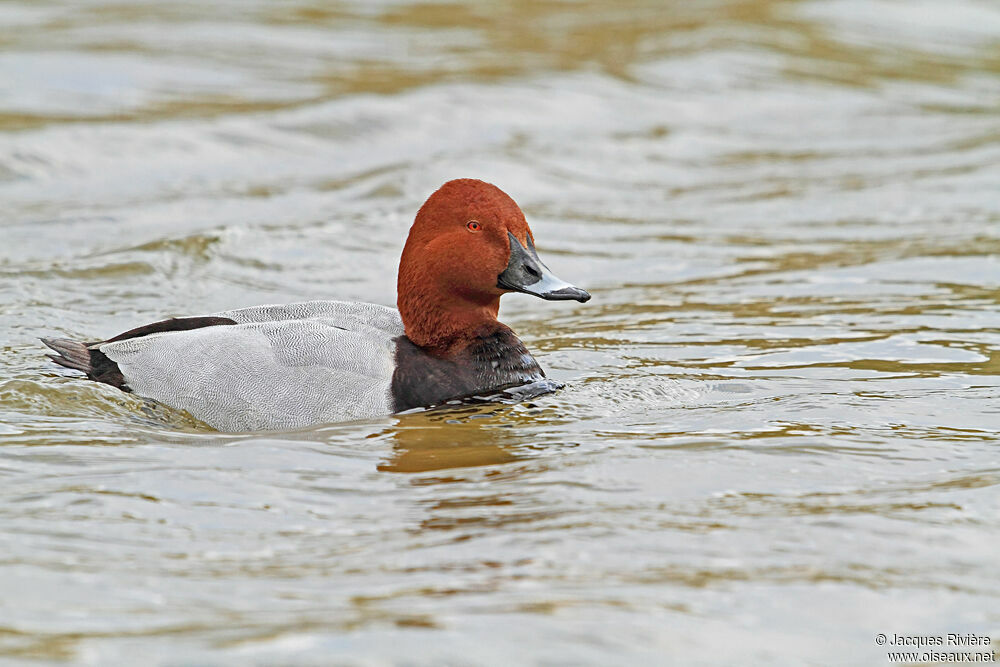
281,367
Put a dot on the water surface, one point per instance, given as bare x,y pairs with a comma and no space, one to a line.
780,431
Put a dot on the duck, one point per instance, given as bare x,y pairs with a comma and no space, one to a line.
290,366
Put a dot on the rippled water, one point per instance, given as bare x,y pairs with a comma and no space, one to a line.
780,431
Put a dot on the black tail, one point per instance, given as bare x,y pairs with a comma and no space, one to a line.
80,357
70,354
87,358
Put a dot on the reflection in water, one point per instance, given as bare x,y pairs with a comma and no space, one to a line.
452,438
463,441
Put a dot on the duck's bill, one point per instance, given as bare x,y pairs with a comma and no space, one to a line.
526,273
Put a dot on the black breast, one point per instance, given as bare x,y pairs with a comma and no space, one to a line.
491,363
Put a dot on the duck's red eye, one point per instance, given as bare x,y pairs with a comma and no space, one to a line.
474,225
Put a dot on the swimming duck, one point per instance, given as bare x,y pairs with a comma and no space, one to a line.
295,365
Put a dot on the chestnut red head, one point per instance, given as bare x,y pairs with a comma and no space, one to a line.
468,245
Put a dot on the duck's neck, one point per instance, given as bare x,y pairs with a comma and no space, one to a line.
444,327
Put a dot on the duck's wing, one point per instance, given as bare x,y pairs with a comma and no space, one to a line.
348,314
275,373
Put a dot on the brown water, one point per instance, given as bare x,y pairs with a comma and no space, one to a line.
781,431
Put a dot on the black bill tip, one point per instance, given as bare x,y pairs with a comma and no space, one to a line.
567,294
